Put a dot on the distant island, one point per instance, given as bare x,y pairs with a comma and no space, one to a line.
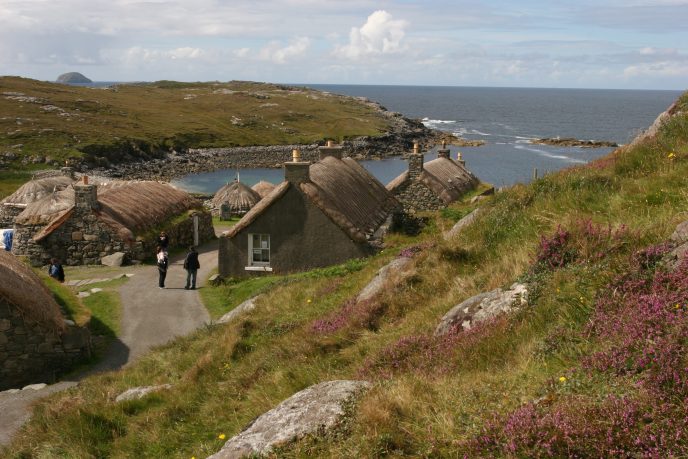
73,77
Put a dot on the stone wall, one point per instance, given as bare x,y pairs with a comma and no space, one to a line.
8,213
415,196
29,353
84,239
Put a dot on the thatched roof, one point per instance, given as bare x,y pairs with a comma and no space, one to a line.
263,188
238,196
347,193
129,207
22,288
447,178
352,197
258,209
38,189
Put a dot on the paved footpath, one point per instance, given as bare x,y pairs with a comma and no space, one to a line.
150,317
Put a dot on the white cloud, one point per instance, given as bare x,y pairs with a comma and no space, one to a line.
279,55
657,69
379,35
139,55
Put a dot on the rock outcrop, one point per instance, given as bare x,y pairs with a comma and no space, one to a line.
679,242
73,77
246,306
377,284
571,142
317,408
482,307
461,224
137,393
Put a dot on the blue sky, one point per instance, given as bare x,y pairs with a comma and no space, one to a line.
637,44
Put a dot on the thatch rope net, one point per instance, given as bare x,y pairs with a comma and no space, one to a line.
38,189
263,188
21,288
239,197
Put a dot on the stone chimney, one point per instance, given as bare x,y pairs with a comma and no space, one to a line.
415,161
330,150
85,195
297,171
459,159
444,151
67,171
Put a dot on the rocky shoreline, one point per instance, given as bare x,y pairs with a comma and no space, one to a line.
399,140
571,142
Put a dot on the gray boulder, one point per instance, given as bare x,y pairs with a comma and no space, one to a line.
246,306
312,410
116,259
377,284
680,235
137,393
461,224
482,307
679,240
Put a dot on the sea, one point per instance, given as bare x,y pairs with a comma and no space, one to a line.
507,119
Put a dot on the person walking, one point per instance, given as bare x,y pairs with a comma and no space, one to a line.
191,265
55,270
163,262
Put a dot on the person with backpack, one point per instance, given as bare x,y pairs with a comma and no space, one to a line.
191,265
163,263
55,270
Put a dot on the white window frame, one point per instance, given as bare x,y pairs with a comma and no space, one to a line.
258,265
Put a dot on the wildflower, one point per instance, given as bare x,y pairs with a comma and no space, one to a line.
671,155
562,379
308,300
222,436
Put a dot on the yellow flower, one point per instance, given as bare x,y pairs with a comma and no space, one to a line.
222,436
308,300
562,379
671,155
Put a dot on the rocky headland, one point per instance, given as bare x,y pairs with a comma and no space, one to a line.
572,142
72,78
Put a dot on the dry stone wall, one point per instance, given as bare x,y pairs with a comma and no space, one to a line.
415,196
29,353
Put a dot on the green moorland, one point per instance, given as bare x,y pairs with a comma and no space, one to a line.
593,367
61,122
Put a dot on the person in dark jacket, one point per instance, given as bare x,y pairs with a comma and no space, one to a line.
191,265
162,266
55,270
163,240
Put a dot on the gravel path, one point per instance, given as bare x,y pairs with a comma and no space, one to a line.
150,317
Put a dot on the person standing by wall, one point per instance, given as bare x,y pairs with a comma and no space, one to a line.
191,265
55,270
163,262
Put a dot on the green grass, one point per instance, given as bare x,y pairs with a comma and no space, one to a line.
429,401
147,120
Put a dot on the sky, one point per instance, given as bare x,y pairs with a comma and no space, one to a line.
617,44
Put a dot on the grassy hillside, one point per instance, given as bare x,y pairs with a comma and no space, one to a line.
594,366
41,120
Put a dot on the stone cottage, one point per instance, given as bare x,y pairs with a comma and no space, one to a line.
36,344
432,185
85,222
322,214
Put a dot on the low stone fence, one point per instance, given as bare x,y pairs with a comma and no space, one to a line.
30,353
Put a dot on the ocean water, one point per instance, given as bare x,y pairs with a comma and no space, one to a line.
506,118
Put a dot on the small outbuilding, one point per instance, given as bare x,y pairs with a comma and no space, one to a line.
433,185
234,199
36,344
86,222
322,214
